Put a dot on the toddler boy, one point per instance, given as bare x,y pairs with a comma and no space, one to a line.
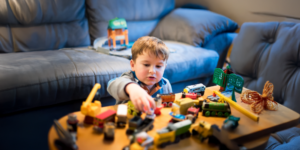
149,60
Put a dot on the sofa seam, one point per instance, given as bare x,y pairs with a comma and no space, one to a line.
52,81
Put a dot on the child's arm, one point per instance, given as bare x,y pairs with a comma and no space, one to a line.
139,97
116,87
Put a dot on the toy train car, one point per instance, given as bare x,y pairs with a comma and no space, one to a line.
231,123
215,109
190,95
167,99
122,115
197,88
137,124
173,133
204,130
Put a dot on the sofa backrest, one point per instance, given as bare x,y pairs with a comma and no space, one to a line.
141,16
33,25
270,52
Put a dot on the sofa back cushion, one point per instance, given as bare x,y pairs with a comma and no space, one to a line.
34,25
141,15
270,52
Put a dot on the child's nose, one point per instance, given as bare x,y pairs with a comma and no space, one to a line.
152,70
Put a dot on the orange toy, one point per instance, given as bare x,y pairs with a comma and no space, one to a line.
117,30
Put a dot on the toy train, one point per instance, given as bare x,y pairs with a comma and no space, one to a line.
203,131
167,99
215,109
173,133
137,125
197,88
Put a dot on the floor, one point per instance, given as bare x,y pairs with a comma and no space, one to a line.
29,129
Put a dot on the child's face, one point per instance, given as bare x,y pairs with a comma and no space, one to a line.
148,68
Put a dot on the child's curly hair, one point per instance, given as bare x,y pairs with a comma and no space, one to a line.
150,45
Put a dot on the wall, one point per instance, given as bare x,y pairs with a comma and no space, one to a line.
242,10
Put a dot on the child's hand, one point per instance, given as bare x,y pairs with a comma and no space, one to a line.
139,97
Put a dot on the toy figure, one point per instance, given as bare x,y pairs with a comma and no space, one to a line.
72,125
117,30
150,114
159,106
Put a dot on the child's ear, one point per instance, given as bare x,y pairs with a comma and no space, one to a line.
132,65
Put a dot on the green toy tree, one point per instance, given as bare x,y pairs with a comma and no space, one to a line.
221,78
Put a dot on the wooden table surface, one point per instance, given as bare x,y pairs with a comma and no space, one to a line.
249,133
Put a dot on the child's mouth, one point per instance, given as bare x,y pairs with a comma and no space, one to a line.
151,78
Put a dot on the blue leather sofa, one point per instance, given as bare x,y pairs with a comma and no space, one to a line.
48,68
270,52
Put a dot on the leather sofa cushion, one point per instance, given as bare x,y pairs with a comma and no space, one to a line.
270,51
34,79
35,12
36,25
286,139
192,26
141,16
189,62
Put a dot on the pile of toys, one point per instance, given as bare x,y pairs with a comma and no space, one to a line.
184,112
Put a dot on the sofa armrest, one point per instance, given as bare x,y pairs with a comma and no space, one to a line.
192,26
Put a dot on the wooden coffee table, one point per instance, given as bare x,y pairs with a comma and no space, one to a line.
250,134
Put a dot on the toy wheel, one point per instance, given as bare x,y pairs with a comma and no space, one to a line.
151,127
194,119
226,114
207,113
163,145
188,134
220,114
202,93
194,132
128,132
177,140
165,104
213,113
170,104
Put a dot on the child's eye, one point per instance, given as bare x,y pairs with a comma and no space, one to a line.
146,65
158,66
